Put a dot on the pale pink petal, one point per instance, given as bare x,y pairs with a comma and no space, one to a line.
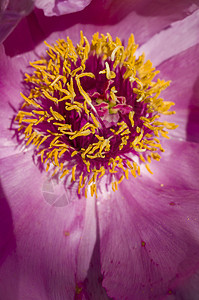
42,254
178,167
180,36
86,245
10,85
61,7
182,70
149,235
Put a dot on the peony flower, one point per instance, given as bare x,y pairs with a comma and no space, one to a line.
140,241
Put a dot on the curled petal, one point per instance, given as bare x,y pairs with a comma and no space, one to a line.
61,7
11,13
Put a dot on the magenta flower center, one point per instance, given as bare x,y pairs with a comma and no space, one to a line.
92,111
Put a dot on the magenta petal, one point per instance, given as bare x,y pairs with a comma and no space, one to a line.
60,7
149,239
143,18
11,12
10,86
46,257
178,167
187,287
180,36
184,92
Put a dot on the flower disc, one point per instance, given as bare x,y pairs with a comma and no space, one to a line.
93,110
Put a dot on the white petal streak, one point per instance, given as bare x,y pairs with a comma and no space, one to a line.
87,241
180,36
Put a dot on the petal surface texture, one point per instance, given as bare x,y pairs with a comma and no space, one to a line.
155,231
44,253
139,243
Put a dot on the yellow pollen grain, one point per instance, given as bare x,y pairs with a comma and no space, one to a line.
85,108
21,127
109,74
80,183
61,166
116,50
149,158
102,170
94,120
148,169
47,95
131,114
56,158
120,180
86,192
33,135
37,139
155,156
138,170
62,152
65,172
142,157
47,167
73,172
82,92
29,120
80,133
55,172
113,186
28,130
127,173
56,79
74,153
93,189
133,172
122,125
56,115
43,140
87,163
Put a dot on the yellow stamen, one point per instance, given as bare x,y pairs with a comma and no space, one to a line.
61,78
73,172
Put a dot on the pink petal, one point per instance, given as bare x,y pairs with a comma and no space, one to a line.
178,167
187,287
149,235
180,36
119,18
44,254
10,86
11,12
61,7
184,92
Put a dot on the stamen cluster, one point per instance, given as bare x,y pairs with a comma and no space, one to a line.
93,110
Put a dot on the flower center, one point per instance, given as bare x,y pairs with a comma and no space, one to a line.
93,111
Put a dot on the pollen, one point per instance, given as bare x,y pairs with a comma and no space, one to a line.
94,110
